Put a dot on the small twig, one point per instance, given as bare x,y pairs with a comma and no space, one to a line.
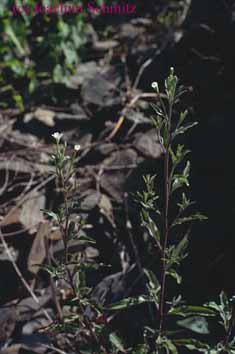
21,231
149,62
125,109
57,350
205,57
141,71
18,272
127,77
3,188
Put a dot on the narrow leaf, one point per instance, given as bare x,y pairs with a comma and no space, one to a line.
180,221
130,301
116,341
184,311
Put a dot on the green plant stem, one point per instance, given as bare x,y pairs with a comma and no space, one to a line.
65,229
70,277
52,283
65,236
165,223
165,233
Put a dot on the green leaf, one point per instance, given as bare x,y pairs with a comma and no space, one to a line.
86,239
34,83
128,302
49,269
178,155
181,179
185,311
77,283
183,129
192,344
71,229
183,116
185,203
157,122
13,37
152,228
165,134
19,102
224,300
195,324
170,347
180,249
141,349
16,66
180,221
157,109
170,86
153,281
153,286
53,215
116,341
175,275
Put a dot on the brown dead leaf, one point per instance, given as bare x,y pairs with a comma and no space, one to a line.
38,250
106,208
11,218
28,215
43,115
7,322
31,213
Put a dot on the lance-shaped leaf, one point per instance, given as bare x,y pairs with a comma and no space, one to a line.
179,180
151,227
173,273
183,129
157,122
193,344
117,343
180,221
128,302
169,346
157,109
178,252
153,286
51,214
183,116
178,155
185,203
189,310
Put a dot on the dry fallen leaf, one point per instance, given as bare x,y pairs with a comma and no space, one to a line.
38,251
31,213
43,115
106,208
7,322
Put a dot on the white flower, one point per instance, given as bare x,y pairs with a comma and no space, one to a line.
57,136
155,85
77,147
